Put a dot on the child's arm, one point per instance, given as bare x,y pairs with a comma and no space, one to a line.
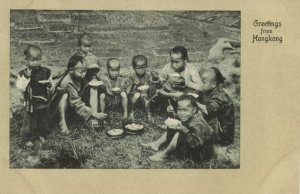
128,85
81,109
23,80
170,94
202,108
194,81
214,105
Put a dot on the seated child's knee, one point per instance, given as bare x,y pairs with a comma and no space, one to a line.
93,91
65,97
137,95
102,96
123,95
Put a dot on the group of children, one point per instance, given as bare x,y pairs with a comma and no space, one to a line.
206,112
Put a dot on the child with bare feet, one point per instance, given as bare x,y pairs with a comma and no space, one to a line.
140,86
191,137
34,81
115,87
67,95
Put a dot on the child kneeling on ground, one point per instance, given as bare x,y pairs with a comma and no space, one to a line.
192,138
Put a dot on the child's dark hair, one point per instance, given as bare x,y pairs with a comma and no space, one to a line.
219,77
139,58
71,64
109,60
28,56
83,36
189,98
182,50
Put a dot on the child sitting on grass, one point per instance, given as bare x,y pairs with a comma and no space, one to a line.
67,95
34,81
218,105
192,138
115,88
179,76
140,86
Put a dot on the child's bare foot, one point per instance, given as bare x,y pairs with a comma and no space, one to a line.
65,132
131,116
125,116
165,127
64,129
29,144
42,140
150,118
153,146
158,157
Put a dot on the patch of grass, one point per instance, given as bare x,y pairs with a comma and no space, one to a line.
85,148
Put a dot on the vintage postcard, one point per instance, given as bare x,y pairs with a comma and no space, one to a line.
152,97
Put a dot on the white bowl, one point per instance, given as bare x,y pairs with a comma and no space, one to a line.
95,83
115,132
44,81
143,88
193,94
172,123
116,89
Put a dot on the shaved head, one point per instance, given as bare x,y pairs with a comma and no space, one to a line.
209,75
113,63
211,78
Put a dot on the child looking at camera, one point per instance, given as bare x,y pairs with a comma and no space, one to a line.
34,81
191,137
115,87
140,86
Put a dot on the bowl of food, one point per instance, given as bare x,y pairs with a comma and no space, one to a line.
115,133
116,90
96,83
172,123
193,94
133,128
143,88
175,75
44,81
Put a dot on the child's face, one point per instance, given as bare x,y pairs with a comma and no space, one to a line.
185,110
140,71
85,48
178,64
35,63
79,70
114,70
208,81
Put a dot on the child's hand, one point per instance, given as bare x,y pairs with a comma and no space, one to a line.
153,73
99,115
28,72
181,128
160,91
170,109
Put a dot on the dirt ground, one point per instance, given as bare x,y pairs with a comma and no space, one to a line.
85,148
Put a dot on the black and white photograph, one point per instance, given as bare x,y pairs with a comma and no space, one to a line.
104,89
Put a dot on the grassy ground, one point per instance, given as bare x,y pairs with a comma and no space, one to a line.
85,148
197,31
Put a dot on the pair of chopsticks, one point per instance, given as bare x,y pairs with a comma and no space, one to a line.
174,115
